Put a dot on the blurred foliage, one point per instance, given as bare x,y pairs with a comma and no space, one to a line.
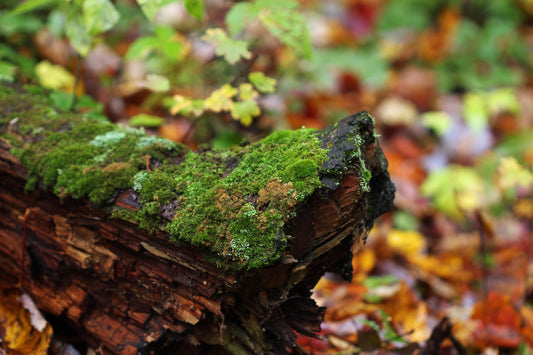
448,81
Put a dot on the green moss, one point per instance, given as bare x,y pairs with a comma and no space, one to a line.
233,202
236,201
72,154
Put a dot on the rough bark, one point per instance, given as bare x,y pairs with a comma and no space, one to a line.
106,283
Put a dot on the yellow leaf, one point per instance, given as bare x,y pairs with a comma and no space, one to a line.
181,104
53,76
221,99
247,92
20,335
406,242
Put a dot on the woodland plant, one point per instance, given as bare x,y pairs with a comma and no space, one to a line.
86,22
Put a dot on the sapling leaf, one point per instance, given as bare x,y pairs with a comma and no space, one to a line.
145,120
150,7
231,49
290,28
7,71
262,82
221,99
79,36
156,83
244,111
31,5
239,16
142,47
99,15
195,8
247,92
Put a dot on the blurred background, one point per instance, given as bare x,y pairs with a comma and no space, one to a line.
449,83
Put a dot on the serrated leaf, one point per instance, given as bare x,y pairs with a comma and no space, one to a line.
290,28
79,37
186,106
99,15
31,5
512,174
195,8
53,76
150,7
142,47
145,120
180,103
238,16
247,92
221,99
231,49
244,111
262,82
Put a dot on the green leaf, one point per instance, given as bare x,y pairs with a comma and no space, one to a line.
99,15
372,282
168,42
231,49
142,47
79,36
150,7
145,120
440,122
156,83
31,5
7,71
239,16
244,111
195,8
62,100
262,83
290,27
454,190
475,111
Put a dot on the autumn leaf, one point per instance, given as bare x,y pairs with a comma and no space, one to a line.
26,332
247,92
231,49
221,99
244,111
53,76
187,106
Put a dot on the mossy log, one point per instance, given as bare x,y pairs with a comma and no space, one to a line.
138,245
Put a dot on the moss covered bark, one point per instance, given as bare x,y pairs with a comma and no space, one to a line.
233,202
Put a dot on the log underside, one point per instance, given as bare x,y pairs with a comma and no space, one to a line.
121,289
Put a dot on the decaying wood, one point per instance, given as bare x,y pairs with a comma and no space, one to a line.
108,284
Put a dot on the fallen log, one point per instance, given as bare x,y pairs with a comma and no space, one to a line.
136,244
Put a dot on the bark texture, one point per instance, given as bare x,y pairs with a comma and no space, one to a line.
106,283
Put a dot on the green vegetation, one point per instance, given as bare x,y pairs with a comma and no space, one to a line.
233,201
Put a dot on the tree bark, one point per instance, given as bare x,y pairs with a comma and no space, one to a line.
108,284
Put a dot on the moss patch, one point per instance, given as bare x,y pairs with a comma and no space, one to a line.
233,202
